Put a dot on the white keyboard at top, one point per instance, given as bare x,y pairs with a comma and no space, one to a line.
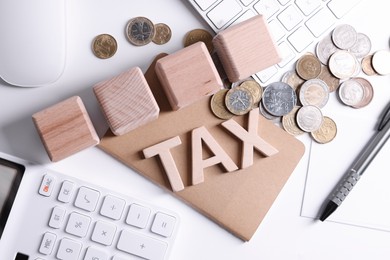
294,24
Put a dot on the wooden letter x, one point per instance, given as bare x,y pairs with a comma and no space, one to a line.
220,156
250,138
163,151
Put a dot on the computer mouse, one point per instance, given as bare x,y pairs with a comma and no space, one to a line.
32,41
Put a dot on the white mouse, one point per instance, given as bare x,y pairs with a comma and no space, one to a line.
32,41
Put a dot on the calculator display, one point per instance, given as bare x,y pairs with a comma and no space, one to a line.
10,178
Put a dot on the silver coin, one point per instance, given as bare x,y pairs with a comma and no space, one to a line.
309,118
351,92
314,92
381,62
344,36
325,48
279,99
362,47
343,64
140,31
265,114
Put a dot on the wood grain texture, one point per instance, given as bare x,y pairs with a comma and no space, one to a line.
126,101
188,75
246,48
65,128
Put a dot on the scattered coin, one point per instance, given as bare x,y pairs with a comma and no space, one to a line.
362,47
309,118
381,62
291,78
308,67
140,31
289,122
199,35
351,92
344,36
368,92
343,64
279,98
326,133
218,106
239,100
314,92
264,113
162,34
367,66
330,80
325,48
255,89
104,46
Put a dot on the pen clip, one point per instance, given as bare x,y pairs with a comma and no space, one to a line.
385,119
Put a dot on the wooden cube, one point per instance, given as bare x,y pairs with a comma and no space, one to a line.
127,101
65,128
246,48
188,75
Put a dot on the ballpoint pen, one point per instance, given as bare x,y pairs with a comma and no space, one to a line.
359,166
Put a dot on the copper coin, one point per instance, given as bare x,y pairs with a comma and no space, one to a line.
368,93
162,34
308,67
367,66
218,107
326,133
199,35
104,46
332,82
289,122
140,31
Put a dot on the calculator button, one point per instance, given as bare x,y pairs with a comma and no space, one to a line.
103,233
69,250
138,216
95,254
112,207
66,192
141,245
163,224
57,217
87,199
78,224
47,185
47,243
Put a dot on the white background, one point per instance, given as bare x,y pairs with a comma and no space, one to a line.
282,235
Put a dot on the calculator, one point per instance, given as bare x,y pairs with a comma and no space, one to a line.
48,215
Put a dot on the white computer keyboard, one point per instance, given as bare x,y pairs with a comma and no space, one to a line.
87,222
294,24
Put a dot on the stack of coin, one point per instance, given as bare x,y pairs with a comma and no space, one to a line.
199,35
141,31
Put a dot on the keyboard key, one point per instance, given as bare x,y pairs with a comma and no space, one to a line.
142,246
103,233
267,73
47,185
320,22
57,217
47,243
276,29
267,8
78,224
95,254
163,224
284,2
87,199
246,2
290,17
224,12
300,39
205,4
138,216
287,54
69,250
66,192
308,6
245,16
112,207
342,7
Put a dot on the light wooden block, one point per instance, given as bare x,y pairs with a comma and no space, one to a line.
188,75
65,128
127,101
246,48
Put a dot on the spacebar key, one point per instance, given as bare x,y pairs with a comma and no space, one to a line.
141,245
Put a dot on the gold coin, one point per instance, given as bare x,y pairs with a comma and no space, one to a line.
367,66
218,107
332,82
104,46
326,133
140,31
162,34
308,67
239,100
255,89
199,35
289,122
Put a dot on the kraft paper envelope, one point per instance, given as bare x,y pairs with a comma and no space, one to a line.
238,201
